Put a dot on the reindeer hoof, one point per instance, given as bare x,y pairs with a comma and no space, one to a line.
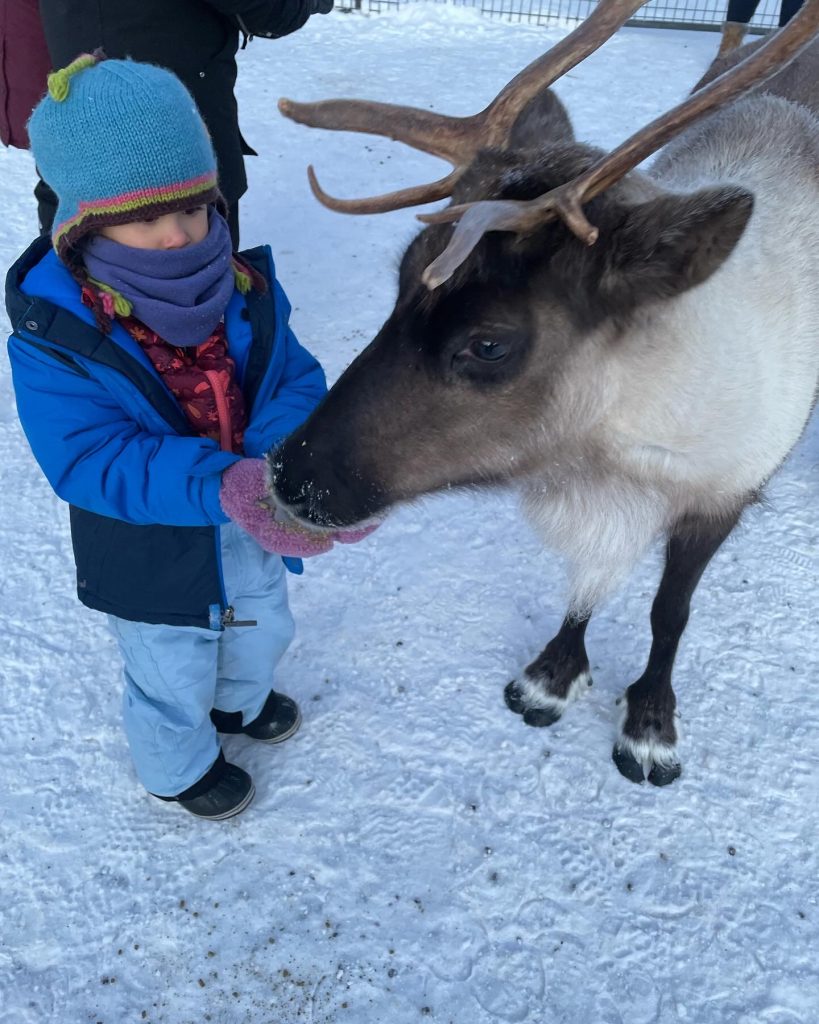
664,774
661,773
516,701
627,764
514,698
539,717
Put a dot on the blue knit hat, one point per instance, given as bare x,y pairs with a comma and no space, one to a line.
119,141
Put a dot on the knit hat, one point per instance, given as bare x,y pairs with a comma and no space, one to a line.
119,141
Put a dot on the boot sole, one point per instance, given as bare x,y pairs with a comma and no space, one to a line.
282,736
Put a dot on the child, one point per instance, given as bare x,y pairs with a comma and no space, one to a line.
153,369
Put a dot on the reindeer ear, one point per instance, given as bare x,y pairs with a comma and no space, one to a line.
544,119
670,244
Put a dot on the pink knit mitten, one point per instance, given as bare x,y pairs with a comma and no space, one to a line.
353,536
244,496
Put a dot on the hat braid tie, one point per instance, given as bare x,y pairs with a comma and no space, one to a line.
58,81
112,300
242,278
246,278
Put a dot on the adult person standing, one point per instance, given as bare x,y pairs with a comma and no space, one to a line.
24,64
738,17
198,41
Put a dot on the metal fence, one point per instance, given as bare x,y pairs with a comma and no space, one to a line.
704,14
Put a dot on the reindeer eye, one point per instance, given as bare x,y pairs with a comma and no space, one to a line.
488,354
489,350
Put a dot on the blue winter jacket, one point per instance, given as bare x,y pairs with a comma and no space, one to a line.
114,443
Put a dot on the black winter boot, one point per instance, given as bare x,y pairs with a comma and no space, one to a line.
279,719
224,790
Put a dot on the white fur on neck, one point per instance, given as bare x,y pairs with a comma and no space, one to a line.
692,409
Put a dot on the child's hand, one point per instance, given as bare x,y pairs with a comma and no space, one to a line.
245,497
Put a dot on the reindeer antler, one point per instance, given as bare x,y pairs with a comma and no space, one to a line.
566,201
456,139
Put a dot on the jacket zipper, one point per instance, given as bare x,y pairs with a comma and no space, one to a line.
229,619
222,411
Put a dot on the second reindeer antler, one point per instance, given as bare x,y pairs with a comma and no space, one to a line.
566,201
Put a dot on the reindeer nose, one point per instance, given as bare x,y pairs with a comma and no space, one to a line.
289,489
296,486
310,479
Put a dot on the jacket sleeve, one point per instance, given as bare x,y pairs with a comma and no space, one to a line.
97,457
289,402
271,18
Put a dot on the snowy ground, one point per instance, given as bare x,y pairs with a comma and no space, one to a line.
417,853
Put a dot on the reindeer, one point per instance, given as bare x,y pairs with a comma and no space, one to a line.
636,352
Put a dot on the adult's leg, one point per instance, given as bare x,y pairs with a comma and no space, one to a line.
741,10
735,26
787,10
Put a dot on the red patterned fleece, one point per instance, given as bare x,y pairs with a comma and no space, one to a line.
202,378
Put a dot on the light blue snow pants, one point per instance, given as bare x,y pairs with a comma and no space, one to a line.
175,675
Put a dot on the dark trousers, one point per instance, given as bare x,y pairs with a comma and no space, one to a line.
47,208
743,10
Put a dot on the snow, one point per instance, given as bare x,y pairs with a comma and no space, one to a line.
416,852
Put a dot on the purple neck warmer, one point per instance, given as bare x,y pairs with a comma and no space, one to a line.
179,293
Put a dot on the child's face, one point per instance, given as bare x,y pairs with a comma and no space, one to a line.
170,231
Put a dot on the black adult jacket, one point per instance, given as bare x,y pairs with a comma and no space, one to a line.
196,39
23,68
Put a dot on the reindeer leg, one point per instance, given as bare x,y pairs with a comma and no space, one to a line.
647,747
555,678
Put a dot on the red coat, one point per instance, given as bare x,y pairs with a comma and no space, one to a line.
24,65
